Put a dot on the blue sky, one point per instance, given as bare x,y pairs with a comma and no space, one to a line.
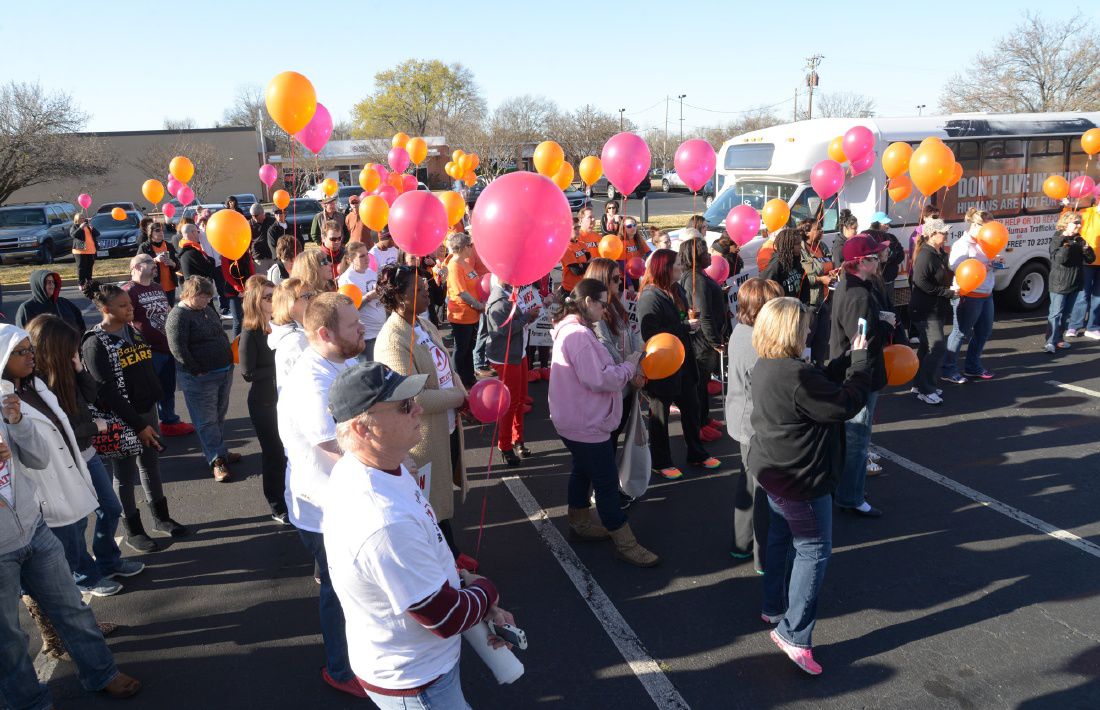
132,64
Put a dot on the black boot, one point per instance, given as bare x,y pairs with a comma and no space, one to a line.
162,522
135,533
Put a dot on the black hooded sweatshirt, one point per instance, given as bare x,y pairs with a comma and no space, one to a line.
55,305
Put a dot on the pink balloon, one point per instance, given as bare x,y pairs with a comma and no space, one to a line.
316,133
84,200
719,269
398,158
827,178
268,173
626,161
363,196
695,161
169,210
489,399
1096,191
185,195
862,165
742,224
858,142
635,268
372,264
521,226
383,173
1081,186
173,186
418,222
409,183
387,193
485,287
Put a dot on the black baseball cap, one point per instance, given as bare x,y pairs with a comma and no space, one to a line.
365,384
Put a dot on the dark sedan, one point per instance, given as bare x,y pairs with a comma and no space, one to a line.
299,216
117,237
577,198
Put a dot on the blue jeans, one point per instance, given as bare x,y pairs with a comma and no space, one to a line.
800,540
207,398
594,469
107,514
41,570
444,694
857,436
236,309
1061,307
1086,307
165,366
481,344
72,538
332,614
973,320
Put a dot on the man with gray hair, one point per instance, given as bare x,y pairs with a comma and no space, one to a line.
193,257
261,223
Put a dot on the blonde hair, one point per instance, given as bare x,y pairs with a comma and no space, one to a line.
980,214
309,267
282,301
1065,218
196,286
781,329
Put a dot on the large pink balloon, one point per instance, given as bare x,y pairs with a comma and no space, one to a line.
719,269
521,226
626,161
862,165
742,224
268,173
84,200
827,178
489,399
694,162
858,142
316,133
387,193
169,210
185,195
1081,186
418,222
398,158
173,186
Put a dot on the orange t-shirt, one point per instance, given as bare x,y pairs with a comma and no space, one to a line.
635,246
591,242
575,253
166,281
461,278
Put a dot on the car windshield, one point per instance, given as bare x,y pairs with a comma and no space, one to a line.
103,222
349,191
746,192
303,205
31,217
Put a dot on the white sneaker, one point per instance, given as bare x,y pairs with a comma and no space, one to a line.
914,341
932,398
939,391
873,469
1071,333
872,456
1092,334
105,587
1048,348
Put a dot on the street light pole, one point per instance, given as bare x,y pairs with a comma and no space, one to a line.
621,111
682,97
920,109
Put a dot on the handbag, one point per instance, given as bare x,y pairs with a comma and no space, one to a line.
119,441
636,461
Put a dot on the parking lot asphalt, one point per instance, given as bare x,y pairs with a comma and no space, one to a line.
977,589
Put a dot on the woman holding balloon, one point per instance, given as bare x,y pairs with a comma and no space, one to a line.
706,300
1069,253
974,305
464,308
930,306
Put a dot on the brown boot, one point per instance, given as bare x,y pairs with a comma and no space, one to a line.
628,549
51,642
583,528
122,686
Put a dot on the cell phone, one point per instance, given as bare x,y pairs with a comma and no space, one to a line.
861,327
509,633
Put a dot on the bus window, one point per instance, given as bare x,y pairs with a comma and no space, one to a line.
1003,177
1078,160
751,156
1045,157
807,206
968,190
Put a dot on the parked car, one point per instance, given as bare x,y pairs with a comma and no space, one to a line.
299,216
193,209
245,200
577,198
128,206
342,195
117,237
38,231
603,187
671,181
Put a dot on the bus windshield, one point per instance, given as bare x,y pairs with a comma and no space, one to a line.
753,193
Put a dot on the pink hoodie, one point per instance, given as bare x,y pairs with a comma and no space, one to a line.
586,400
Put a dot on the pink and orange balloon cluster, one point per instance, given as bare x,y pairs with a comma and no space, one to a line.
462,165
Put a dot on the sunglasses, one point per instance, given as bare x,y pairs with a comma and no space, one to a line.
871,257
628,225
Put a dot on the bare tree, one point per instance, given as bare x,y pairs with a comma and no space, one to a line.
179,124
419,97
38,139
211,165
752,120
584,131
844,104
663,151
249,109
1041,65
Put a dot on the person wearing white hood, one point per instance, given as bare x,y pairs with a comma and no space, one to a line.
287,338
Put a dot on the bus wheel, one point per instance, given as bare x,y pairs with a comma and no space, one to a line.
1028,289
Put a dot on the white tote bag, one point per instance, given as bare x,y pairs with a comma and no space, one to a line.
635,460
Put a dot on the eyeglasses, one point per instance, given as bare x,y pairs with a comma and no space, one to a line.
871,257
23,352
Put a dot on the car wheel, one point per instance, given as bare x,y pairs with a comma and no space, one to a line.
610,192
665,187
1028,289
45,253
709,201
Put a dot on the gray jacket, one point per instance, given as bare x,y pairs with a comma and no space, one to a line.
497,311
742,359
620,346
19,520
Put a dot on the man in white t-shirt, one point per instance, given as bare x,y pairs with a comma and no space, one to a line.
371,313
309,435
406,602
385,251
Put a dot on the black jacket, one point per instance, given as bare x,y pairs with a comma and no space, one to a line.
798,415
931,280
197,339
261,247
77,233
891,263
855,299
1067,257
706,297
128,384
55,305
792,281
147,248
658,313
82,422
194,261
257,358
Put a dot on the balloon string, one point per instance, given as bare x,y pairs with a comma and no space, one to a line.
294,190
1077,200
412,335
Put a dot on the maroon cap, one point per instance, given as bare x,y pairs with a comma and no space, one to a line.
862,245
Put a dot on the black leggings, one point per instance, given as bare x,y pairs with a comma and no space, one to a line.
145,466
464,334
261,410
84,263
688,403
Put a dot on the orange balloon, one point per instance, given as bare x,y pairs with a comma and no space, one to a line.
235,348
369,179
466,162
470,179
900,188
548,158
229,233
1090,141
775,214
895,159
291,101
1056,187
329,187
969,275
664,355
474,161
764,256
564,177
400,139
181,168
153,190
931,166
281,198
456,206
118,213
901,364
591,170
374,212
992,238
956,175
417,149
352,291
836,150
395,181
457,155
611,247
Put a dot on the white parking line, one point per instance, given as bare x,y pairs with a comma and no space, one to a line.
1074,388
647,670
1002,508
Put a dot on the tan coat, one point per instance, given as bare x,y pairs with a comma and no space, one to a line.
392,349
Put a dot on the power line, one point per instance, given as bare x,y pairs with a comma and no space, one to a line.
749,110
648,108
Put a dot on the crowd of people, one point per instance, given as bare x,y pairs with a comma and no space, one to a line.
360,409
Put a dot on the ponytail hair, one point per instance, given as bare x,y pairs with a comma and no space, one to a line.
100,293
573,303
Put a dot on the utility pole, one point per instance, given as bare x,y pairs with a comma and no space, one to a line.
812,63
920,108
664,153
621,111
682,97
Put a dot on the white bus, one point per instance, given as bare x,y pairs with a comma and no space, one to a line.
1005,159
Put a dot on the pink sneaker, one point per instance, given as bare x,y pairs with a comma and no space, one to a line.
802,657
